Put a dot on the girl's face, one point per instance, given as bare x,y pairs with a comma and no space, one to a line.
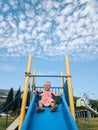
47,86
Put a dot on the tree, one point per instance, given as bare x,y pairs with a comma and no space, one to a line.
16,103
94,103
9,98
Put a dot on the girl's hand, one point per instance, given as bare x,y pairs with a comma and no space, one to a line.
35,91
61,95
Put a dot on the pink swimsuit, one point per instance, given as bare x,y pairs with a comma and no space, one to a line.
46,98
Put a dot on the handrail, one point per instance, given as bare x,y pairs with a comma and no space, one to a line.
51,87
57,90
48,76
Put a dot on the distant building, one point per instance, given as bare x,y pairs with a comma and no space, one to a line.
4,94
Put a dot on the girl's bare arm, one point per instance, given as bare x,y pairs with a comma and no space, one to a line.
56,95
38,92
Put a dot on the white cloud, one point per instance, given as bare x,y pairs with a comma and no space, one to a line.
47,5
49,28
66,10
22,24
6,8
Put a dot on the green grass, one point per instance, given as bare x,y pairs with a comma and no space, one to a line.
87,124
83,124
3,122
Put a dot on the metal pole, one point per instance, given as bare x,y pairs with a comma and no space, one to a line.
61,81
24,99
70,94
34,80
7,119
47,76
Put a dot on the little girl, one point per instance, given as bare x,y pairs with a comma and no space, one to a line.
46,99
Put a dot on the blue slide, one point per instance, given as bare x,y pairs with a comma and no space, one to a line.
59,120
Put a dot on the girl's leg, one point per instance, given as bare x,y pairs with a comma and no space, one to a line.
54,107
40,108
40,105
52,104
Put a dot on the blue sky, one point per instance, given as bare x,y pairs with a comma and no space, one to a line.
49,30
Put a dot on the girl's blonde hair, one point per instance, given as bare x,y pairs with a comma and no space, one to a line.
48,83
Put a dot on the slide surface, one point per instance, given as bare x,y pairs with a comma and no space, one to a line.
59,120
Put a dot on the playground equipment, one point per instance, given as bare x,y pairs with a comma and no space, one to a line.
63,118
82,103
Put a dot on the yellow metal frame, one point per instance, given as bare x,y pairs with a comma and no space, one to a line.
24,99
70,94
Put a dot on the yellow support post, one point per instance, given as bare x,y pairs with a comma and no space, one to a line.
24,99
61,80
70,94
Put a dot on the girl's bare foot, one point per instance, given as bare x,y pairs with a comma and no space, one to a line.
54,108
39,110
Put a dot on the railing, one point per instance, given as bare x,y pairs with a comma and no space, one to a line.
57,90
47,76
